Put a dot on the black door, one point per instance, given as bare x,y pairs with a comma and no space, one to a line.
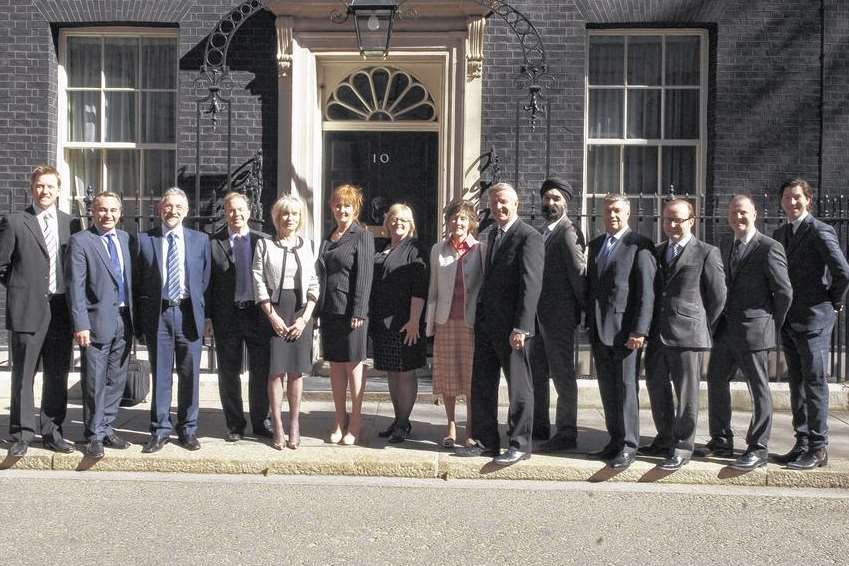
390,167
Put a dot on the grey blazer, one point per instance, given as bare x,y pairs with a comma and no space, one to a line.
759,295
563,277
268,270
689,296
443,271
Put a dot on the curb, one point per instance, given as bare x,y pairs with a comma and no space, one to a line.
400,463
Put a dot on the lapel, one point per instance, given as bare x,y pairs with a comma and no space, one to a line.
794,241
683,257
187,245
31,222
101,252
562,224
750,249
223,241
124,242
505,239
617,247
63,226
157,242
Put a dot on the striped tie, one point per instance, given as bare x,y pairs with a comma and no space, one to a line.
173,287
52,252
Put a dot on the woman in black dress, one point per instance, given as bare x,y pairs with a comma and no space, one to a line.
346,267
286,288
396,324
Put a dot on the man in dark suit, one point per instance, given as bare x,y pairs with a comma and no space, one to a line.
99,278
820,276
620,288
171,272
32,247
689,297
238,321
759,295
558,314
504,326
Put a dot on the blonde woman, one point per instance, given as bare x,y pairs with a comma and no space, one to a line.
455,278
346,268
287,290
396,325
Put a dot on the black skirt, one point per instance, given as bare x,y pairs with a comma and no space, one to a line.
341,343
294,356
390,352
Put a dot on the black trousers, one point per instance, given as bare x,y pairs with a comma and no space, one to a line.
806,353
679,368
724,362
104,374
52,343
493,353
617,383
553,355
248,327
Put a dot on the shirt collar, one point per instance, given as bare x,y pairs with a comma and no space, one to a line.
618,235
243,233
748,237
507,226
111,232
42,212
683,242
798,222
177,231
554,224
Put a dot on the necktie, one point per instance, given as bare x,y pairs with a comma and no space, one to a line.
546,234
173,267
497,237
736,254
672,253
241,250
605,249
116,268
52,252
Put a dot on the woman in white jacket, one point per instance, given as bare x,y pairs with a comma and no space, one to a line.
287,290
456,272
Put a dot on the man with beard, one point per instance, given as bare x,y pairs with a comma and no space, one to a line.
558,314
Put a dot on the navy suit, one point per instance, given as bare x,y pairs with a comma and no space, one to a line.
621,298
93,291
173,333
820,276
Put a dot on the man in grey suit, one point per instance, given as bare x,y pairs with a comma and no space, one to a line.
620,287
689,297
819,275
100,292
759,295
558,314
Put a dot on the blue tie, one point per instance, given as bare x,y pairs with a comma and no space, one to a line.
173,266
605,249
116,268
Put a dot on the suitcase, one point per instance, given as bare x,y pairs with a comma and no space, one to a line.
138,381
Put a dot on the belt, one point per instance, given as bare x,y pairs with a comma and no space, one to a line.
243,305
168,303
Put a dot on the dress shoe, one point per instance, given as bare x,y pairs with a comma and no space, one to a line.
400,434
798,450
387,432
720,448
94,449
233,436
624,459
58,445
751,459
116,442
654,449
474,451
190,442
511,456
18,449
810,460
558,443
606,453
674,462
154,444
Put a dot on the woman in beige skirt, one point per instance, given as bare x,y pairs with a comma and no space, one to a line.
456,271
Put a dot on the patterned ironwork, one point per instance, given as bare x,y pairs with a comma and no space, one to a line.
381,94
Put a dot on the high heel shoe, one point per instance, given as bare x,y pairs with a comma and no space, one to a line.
293,445
336,437
277,445
349,439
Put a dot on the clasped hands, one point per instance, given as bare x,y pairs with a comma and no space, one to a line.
290,332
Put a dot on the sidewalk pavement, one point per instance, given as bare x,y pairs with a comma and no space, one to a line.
421,456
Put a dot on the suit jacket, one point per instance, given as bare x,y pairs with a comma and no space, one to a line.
620,290
93,284
443,273
402,277
512,279
759,295
268,271
345,271
221,292
689,296
25,266
564,275
148,277
818,271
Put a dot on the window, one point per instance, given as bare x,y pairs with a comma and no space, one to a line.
118,104
646,115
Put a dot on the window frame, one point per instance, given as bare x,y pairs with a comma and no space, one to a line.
142,201
699,143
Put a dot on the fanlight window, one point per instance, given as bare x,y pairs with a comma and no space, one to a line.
381,94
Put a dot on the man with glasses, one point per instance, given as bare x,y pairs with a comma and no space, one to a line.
689,297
